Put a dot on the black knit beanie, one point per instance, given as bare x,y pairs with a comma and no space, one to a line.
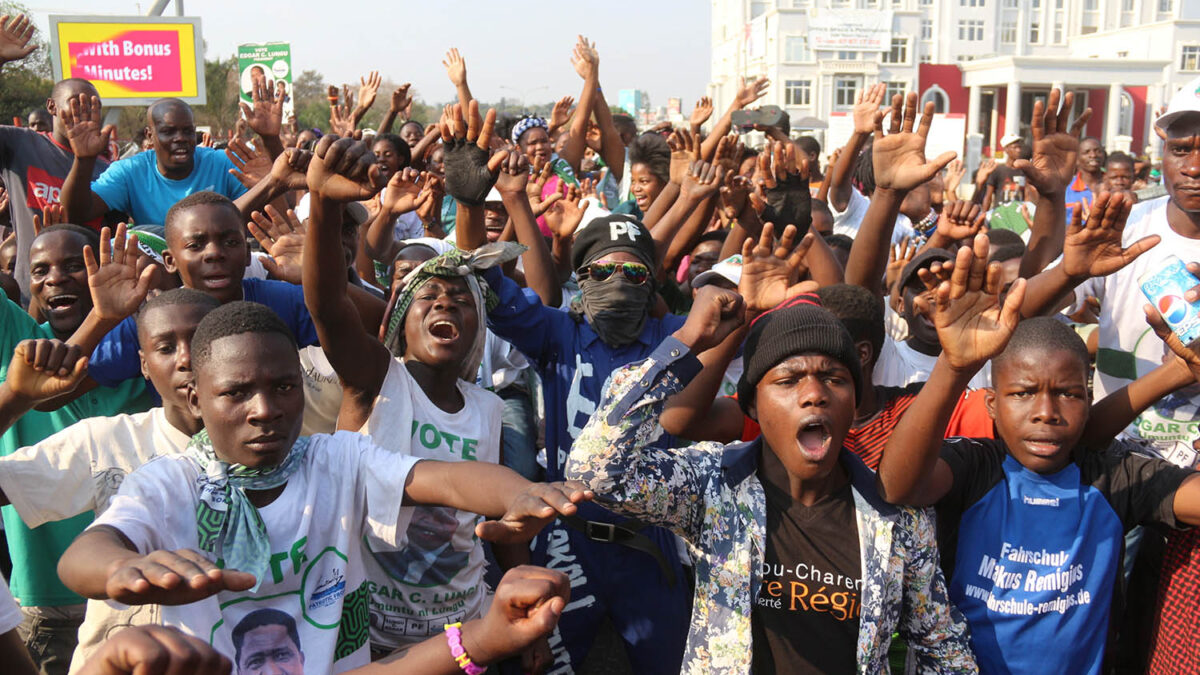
798,326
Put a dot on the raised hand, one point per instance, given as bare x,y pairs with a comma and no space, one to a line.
729,152
898,257
514,174
971,323
566,213
770,272
456,67
1093,248
783,175
527,605
367,91
401,99
715,314
343,170
82,121
155,650
281,238
470,173
561,113
958,221
172,578
702,181
16,38
52,214
734,194
289,168
341,118
701,112
866,105
43,369
684,151
899,157
402,190
986,167
265,118
116,287
542,172
954,174
1055,145
250,164
537,507
585,58
749,92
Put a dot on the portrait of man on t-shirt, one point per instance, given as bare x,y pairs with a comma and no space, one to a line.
266,641
429,558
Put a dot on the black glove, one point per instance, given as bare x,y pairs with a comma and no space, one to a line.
789,203
467,177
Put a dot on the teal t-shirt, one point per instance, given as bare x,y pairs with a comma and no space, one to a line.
35,552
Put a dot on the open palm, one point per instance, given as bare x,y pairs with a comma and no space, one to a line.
116,287
971,323
770,275
1094,248
899,157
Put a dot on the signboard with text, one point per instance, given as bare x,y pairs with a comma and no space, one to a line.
270,63
131,60
851,30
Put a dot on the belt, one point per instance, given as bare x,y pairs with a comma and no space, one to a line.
627,533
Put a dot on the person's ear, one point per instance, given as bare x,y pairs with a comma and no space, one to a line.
142,361
989,402
866,352
51,107
169,262
752,413
193,399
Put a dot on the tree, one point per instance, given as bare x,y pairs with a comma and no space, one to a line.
25,84
221,110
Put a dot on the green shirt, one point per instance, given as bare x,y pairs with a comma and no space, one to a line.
35,552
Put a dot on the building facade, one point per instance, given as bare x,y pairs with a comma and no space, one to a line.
987,60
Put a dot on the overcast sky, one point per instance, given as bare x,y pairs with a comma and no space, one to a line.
660,47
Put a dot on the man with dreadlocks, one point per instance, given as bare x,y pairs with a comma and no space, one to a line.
414,394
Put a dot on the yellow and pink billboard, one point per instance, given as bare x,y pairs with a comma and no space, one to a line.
131,60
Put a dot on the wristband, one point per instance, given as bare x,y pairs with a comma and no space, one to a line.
927,224
454,639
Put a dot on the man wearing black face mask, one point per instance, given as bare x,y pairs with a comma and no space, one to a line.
619,568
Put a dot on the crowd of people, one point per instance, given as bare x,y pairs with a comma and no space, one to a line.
471,395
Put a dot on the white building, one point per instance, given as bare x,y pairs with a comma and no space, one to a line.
986,59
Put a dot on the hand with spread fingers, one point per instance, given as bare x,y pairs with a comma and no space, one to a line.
250,163
771,273
16,38
82,121
1093,248
172,578
116,287
265,114
899,156
282,239
470,172
972,323
1055,144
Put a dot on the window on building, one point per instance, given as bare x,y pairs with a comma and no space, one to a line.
1126,13
970,30
926,58
870,4
1035,32
796,49
899,51
844,91
926,3
1058,28
926,29
1165,6
847,56
894,88
839,3
800,4
1008,32
1035,4
1125,116
1189,57
1009,4
757,8
797,92
971,3
1058,4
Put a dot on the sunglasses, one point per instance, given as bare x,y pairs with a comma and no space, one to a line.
635,273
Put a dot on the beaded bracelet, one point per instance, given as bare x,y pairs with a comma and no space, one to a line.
454,639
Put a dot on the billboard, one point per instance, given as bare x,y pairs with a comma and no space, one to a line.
851,30
270,62
131,60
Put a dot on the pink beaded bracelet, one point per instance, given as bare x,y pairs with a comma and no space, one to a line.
454,639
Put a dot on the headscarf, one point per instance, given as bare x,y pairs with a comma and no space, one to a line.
525,124
227,523
455,263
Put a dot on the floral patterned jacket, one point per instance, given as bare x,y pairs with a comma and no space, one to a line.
710,495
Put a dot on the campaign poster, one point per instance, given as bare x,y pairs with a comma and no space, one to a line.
271,63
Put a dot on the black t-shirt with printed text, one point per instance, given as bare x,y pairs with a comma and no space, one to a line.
805,618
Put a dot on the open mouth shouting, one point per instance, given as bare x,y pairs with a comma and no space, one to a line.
62,302
814,440
444,331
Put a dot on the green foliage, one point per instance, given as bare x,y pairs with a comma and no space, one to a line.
25,84
221,111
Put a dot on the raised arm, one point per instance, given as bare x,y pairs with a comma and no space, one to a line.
900,165
470,171
88,141
341,170
1055,147
540,273
747,93
398,106
586,60
40,370
16,38
400,196
866,107
456,70
972,327
1090,249
675,233
265,118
